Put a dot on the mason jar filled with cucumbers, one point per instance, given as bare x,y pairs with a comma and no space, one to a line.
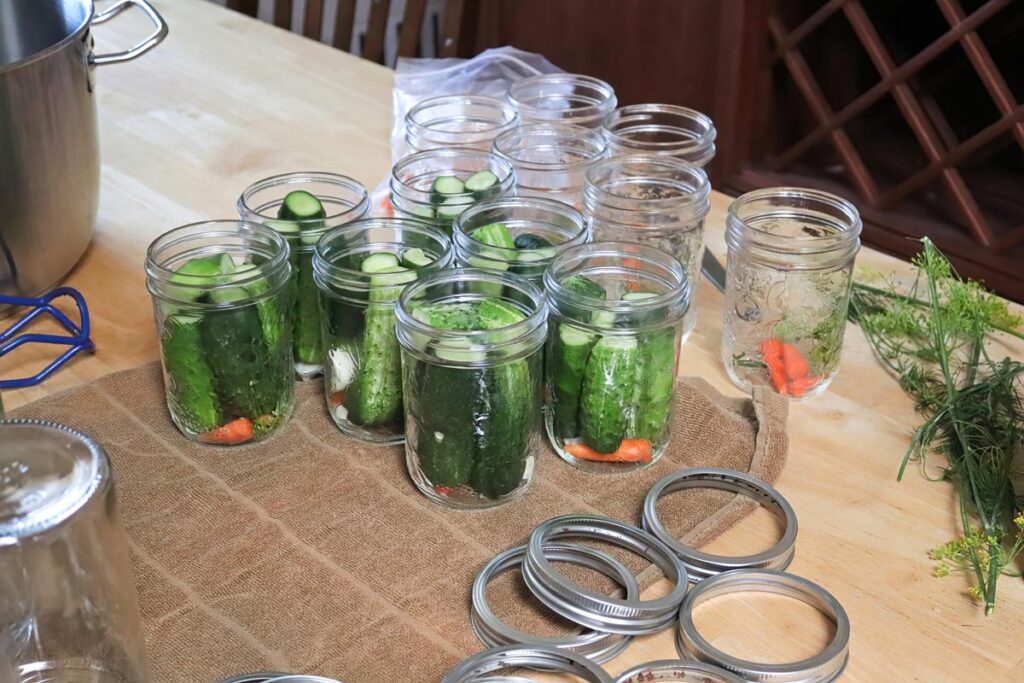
551,159
457,121
519,235
659,201
472,344
616,319
223,304
438,185
302,206
360,270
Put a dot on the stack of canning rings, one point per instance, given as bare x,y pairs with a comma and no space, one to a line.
612,622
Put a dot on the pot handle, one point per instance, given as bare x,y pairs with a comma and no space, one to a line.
151,41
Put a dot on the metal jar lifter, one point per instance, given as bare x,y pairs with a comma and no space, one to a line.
49,152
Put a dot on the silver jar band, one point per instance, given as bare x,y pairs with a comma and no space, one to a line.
600,647
701,565
677,670
823,667
479,667
591,609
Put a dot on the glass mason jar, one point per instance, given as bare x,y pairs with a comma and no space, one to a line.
789,274
343,200
457,121
519,235
661,130
562,98
439,184
657,201
223,309
551,159
360,270
68,609
472,345
616,312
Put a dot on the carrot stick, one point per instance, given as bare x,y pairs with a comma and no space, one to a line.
798,387
794,363
629,450
771,354
337,398
233,433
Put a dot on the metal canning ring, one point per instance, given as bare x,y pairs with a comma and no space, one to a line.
588,608
259,677
600,647
478,667
823,667
701,565
677,670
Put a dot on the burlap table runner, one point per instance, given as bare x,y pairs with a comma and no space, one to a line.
314,553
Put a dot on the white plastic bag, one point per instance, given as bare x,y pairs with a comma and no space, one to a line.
489,73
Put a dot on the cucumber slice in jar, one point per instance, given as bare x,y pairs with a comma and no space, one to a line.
445,186
194,272
584,286
608,387
424,212
528,241
568,364
453,316
638,296
452,207
416,258
300,205
379,262
494,235
481,184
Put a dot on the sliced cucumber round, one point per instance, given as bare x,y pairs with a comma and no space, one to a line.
379,262
299,205
481,182
416,258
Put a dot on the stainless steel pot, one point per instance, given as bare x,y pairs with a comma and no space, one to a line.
49,152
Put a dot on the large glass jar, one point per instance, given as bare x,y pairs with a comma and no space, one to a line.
360,270
661,130
657,201
615,325
562,98
789,273
472,344
68,610
520,235
223,309
551,159
439,184
457,121
329,200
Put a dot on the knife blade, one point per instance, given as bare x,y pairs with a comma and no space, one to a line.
713,270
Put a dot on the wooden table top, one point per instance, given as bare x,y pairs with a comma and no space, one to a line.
227,100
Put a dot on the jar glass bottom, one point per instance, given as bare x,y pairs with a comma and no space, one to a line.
589,466
462,497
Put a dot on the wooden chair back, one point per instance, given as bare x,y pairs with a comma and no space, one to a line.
312,24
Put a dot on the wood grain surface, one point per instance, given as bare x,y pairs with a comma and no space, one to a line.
227,100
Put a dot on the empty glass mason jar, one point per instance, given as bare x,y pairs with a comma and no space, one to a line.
439,184
789,273
458,121
562,98
302,206
361,268
551,159
657,201
616,312
68,610
661,130
520,235
223,309
472,344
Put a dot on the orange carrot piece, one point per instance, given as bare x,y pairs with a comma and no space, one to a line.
337,398
771,354
798,387
233,433
630,450
794,363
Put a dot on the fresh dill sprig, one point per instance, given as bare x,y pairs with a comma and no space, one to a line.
933,338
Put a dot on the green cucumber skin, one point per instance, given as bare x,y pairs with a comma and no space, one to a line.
441,405
190,379
307,343
567,364
504,426
249,377
374,398
608,387
656,367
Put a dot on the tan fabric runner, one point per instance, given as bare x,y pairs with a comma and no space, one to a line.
314,553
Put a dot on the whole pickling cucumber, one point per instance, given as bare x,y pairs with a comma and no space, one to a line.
308,344
608,386
569,350
444,403
190,379
656,367
246,374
